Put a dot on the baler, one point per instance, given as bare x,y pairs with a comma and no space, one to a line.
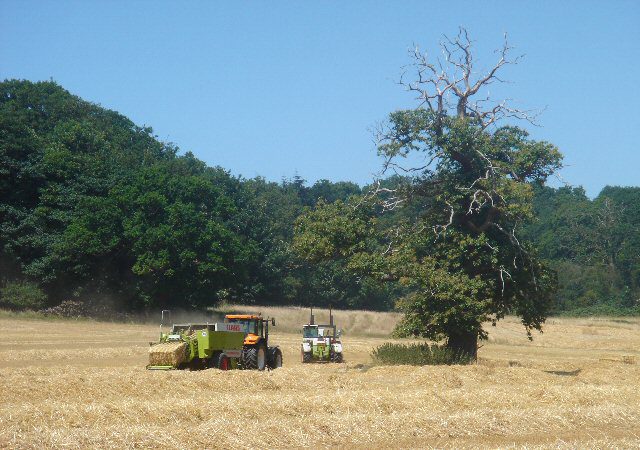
198,346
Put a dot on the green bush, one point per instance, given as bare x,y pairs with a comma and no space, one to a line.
21,295
421,354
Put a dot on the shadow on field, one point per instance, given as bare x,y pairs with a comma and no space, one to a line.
564,373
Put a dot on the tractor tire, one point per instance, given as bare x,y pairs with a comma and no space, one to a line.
223,362
254,357
307,357
196,364
336,357
275,358
212,363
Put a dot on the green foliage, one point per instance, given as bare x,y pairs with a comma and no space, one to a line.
594,245
97,208
454,252
422,354
22,295
331,231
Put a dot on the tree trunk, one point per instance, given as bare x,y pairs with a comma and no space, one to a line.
464,342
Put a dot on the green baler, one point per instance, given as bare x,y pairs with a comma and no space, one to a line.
197,346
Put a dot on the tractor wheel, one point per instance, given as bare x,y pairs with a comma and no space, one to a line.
255,357
196,364
224,363
275,358
307,357
336,357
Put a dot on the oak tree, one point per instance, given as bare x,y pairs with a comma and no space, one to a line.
467,178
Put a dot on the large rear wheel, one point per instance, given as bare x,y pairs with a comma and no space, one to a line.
255,357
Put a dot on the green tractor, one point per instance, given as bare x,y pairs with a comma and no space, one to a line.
321,343
202,345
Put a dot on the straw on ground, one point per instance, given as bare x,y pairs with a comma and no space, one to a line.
83,384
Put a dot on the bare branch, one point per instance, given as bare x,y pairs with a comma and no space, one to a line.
435,81
442,229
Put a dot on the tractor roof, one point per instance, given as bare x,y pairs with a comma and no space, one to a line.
243,316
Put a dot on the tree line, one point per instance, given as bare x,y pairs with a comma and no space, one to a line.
593,245
96,208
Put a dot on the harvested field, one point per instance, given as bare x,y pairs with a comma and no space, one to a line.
83,384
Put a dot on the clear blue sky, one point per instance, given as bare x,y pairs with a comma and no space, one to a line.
278,88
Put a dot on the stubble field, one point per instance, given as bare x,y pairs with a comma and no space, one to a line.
79,384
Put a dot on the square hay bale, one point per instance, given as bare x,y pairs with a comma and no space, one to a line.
168,354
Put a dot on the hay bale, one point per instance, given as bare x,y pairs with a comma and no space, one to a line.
168,354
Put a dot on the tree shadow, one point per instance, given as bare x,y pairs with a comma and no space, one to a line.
564,373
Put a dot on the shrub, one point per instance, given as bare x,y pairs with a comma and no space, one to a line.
421,354
21,295
68,308
94,309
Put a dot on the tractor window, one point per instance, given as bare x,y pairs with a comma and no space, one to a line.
248,326
310,332
325,332
329,332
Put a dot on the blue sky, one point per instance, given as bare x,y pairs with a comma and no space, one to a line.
279,88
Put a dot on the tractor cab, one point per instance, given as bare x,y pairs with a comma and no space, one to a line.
255,327
321,332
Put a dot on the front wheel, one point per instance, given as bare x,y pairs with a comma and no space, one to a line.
336,357
275,358
306,357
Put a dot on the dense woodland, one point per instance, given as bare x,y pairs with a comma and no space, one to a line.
97,209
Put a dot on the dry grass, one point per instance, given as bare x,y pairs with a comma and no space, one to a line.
356,323
83,384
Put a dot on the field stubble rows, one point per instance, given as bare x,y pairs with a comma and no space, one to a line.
83,384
